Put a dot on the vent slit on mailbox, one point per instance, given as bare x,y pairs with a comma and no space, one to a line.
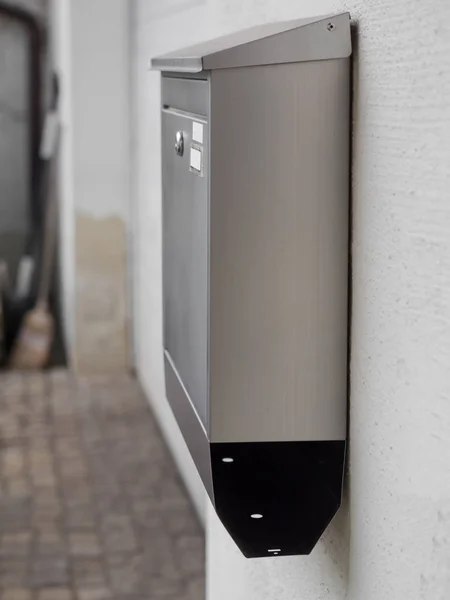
255,163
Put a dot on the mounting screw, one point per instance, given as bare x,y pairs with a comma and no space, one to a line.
331,26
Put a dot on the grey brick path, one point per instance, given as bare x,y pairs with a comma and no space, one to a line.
91,505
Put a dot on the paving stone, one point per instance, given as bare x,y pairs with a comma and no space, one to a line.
41,458
80,517
142,489
125,574
94,593
13,573
62,405
160,560
12,462
68,448
145,513
181,522
84,544
49,514
49,526
38,418
164,588
195,588
118,534
173,494
16,594
45,496
190,544
78,495
13,384
88,573
65,424
49,572
39,429
46,504
91,506
18,487
110,503
39,443
15,407
191,563
56,593
15,514
50,544
190,555
10,431
73,469
36,384
15,545
43,476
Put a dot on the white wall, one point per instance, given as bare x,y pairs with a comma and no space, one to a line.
91,42
392,537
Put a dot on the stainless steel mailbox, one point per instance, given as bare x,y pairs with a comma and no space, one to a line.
255,171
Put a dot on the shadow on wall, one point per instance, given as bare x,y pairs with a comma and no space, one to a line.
336,540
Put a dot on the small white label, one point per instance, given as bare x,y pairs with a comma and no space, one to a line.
197,132
196,160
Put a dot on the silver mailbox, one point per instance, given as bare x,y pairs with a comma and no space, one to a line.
255,171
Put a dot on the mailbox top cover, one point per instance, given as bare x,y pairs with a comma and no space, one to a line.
315,38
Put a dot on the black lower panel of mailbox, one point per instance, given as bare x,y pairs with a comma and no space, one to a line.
276,498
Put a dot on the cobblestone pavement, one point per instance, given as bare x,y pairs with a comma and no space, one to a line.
91,505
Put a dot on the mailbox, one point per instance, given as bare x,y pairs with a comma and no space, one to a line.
255,177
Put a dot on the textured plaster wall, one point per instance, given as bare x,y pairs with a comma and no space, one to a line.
392,536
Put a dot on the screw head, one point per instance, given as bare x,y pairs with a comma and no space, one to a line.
331,26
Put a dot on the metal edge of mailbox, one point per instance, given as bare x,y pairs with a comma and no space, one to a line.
190,95
312,42
323,38
193,432
188,64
